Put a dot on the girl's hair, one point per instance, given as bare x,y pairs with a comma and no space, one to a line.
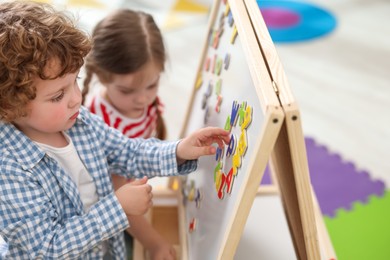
31,35
123,43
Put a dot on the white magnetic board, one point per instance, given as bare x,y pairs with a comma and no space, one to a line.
232,79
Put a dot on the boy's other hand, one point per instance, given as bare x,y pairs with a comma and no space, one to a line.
135,197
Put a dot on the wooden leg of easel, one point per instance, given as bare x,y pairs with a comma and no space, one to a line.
289,164
325,244
268,189
326,247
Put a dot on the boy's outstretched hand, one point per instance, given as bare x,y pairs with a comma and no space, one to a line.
200,143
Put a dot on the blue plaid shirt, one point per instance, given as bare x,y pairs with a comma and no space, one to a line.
41,213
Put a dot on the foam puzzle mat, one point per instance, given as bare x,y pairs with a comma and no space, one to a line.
356,207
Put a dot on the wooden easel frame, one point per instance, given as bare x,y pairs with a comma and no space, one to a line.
289,161
288,158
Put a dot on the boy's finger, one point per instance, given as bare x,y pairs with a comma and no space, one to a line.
206,150
149,188
139,181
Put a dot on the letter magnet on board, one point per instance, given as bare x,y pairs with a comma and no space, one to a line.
218,105
242,143
232,146
207,64
198,198
220,31
192,225
212,37
221,20
209,89
214,63
234,35
247,118
219,153
184,194
234,113
218,175
236,160
241,112
206,115
227,9
218,67
221,189
216,40
227,61
218,87
191,193
204,101
230,180
199,81
230,19
227,126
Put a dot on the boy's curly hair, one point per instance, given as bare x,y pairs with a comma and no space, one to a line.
31,34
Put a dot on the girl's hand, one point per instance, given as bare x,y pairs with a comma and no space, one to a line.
200,143
135,197
157,246
164,251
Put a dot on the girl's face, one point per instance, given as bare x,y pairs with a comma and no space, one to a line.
132,93
54,109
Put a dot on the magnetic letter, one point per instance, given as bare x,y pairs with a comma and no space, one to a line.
234,114
242,144
247,118
232,146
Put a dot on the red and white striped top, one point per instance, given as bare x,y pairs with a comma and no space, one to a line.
143,127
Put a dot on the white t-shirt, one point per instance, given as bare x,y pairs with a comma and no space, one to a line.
70,161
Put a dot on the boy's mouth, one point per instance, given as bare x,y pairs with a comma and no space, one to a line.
75,115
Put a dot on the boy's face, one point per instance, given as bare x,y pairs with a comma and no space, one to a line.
55,107
132,93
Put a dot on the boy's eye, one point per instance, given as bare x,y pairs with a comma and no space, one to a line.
59,97
152,86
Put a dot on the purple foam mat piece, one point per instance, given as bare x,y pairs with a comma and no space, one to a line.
266,177
337,183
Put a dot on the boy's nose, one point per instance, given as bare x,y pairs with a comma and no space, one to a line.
75,99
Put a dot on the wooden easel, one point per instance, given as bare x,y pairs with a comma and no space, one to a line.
288,158
287,153
289,161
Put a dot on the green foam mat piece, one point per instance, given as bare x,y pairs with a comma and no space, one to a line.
364,231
